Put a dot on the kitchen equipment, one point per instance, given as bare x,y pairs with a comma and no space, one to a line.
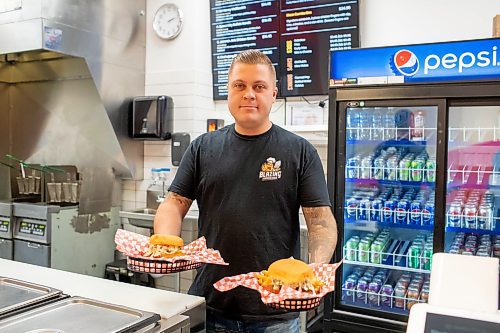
67,59
32,232
78,314
16,295
151,118
180,143
6,244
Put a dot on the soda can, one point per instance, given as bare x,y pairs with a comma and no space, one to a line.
428,213
470,212
424,295
379,168
352,167
417,170
376,211
427,258
430,170
350,286
376,252
352,248
402,211
404,169
413,293
414,256
351,209
392,168
399,296
386,295
364,209
366,167
416,212
484,216
454,215
361,288
364,251
388,211
373,289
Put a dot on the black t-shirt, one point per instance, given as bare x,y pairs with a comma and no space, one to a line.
249,190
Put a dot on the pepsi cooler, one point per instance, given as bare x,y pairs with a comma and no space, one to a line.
413,169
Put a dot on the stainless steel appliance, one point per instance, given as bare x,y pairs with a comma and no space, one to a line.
17,295
6,244
66,81
77,314
32,233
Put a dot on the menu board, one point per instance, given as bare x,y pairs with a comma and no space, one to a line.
309,30
297,35
239,25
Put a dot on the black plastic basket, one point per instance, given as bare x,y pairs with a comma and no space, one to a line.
160,266
296,304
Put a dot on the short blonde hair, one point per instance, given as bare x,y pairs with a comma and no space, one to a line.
253,57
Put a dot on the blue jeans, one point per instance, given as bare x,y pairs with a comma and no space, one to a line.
217,323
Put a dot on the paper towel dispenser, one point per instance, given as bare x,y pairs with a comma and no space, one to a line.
151,118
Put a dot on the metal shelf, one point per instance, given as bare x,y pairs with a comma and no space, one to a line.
363,181
398,268
364,224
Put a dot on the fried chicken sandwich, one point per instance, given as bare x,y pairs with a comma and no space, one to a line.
292,273
164,246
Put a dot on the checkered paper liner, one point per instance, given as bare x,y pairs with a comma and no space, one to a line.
288,298
134,245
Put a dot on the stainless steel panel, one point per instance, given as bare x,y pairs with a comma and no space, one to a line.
5,209
6,249
34,211
71,106
4,139
9,35
16,294
75,315
29,10
32,253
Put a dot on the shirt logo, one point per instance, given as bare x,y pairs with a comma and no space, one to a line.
270,170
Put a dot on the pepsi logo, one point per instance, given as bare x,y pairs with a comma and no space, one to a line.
406,62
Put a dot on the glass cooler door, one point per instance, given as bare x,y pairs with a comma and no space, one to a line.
390,173
473,180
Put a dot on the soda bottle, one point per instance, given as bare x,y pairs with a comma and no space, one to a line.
377,125
389,122
352,124
364,124
417,130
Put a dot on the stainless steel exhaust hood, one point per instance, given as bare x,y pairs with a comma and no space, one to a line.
68,69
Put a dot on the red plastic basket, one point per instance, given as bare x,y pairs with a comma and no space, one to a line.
160,266
296,304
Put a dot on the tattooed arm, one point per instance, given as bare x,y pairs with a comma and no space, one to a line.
170,214
322,230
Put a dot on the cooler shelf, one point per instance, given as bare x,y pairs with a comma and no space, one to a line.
399,268
395,256
376,182
380,301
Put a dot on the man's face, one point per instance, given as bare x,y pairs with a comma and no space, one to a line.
251,94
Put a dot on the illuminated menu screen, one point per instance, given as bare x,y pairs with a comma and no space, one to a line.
297,35
237,26
309,30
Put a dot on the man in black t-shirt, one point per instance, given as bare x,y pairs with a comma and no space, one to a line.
250,180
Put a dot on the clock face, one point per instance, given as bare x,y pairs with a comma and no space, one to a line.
167,22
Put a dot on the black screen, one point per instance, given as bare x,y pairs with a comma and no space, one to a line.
437,323
297,35
237,26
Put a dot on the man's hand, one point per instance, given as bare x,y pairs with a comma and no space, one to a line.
322,230
168,218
